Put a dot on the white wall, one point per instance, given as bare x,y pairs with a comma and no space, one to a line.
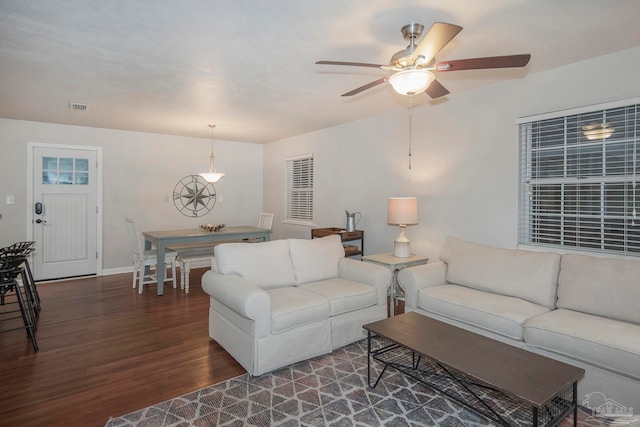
139,171
465,158
465,165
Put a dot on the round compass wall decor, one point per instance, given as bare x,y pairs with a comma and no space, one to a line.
193,196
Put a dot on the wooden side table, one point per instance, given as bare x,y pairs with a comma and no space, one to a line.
395,264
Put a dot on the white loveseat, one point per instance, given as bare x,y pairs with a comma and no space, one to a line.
579,309
283,301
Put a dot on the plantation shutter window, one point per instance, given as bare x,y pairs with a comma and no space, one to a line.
578,176
299,189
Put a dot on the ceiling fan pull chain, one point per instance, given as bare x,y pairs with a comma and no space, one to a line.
410,109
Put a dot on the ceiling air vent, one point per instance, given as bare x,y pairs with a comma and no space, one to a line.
78,107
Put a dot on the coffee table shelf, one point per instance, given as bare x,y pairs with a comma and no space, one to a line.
421,348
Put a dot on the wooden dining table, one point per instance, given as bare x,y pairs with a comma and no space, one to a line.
162,239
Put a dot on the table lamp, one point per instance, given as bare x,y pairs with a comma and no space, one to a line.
402,211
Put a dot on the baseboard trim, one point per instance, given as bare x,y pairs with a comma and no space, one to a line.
119,270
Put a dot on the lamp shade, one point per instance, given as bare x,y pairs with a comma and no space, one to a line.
410,82
403,211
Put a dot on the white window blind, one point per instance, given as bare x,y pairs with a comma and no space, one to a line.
578,177
299,189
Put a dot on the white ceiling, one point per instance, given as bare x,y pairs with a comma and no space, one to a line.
173,67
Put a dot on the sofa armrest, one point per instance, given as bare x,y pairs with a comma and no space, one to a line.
238,294
413,279
365,272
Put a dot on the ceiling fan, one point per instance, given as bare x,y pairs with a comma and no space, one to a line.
414,67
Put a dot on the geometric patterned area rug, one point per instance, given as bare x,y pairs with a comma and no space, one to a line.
329,390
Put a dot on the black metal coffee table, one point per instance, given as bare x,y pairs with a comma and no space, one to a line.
505,384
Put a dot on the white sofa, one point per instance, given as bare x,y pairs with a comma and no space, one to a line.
579,309
283,301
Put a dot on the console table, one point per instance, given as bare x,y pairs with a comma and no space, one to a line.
346,236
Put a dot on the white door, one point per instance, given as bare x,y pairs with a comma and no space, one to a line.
64,212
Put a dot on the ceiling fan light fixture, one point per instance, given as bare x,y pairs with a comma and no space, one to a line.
411,82
597,131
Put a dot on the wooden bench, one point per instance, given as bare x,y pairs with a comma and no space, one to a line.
193,255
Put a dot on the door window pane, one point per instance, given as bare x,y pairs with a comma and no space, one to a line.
82,165
49,177
50,163
66,178
82,178
66,164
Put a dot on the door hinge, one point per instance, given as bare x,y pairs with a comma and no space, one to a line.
96,254
96,209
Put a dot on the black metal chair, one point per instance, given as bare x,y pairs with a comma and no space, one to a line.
11,269
25,249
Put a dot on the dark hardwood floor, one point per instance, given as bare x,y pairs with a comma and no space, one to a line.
105,351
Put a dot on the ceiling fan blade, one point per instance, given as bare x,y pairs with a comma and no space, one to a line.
509,61
438,36
353,64
365,87
436,90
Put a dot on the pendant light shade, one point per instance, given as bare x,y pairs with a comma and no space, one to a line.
212,176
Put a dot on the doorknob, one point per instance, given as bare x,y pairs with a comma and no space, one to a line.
38,221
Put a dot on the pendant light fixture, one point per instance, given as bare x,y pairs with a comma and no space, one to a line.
212,176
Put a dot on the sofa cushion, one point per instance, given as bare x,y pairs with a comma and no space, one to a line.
608,287
316,259
529,275
499,314
266,264
293,307
344,295
607,343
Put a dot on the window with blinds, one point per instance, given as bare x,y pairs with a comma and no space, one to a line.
578,177
299,189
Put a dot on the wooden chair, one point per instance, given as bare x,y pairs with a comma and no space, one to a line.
266,220
147,258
